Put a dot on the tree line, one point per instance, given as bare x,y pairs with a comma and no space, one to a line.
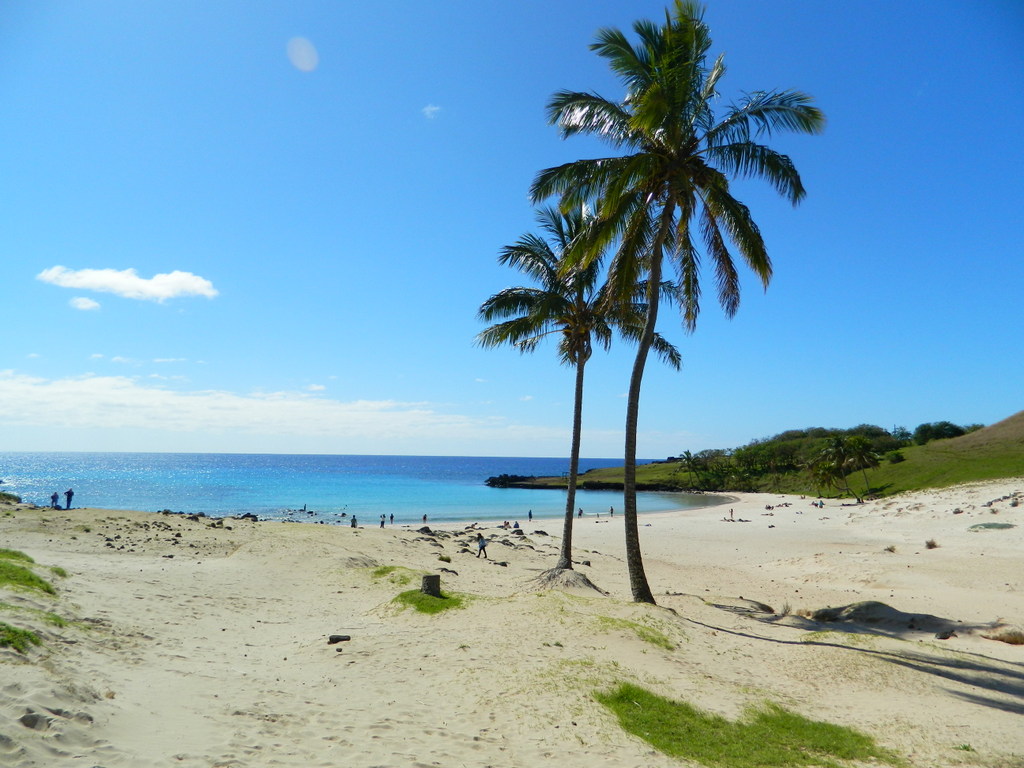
826,456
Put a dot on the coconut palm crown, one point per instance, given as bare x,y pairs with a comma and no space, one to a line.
668,193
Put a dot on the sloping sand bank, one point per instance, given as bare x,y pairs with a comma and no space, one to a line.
198,644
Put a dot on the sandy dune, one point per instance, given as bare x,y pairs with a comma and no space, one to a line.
197,644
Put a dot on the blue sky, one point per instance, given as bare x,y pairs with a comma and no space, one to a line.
210,241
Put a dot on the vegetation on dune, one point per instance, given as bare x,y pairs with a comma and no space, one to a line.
395,574
770,737
18,639
644,631
13,554
9,498
425,603
14,575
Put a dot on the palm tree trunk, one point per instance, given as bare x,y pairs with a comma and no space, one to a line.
565,555
634,557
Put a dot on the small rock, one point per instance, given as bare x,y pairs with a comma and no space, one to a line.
35,721
331,640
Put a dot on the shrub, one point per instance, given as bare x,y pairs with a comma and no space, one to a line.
895,457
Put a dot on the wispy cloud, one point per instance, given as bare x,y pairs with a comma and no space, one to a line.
526,398
80,302
316,388
430,111
169,360
100,408
127,283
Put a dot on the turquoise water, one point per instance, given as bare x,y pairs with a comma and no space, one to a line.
445,488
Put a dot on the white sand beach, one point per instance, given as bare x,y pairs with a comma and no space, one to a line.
198,643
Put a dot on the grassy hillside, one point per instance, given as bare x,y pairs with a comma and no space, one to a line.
989,453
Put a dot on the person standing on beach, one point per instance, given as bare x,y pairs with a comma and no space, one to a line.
392,518
481,546
55,501
529,515
68,494
382,521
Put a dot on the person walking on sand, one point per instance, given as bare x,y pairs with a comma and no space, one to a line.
481,546
69,494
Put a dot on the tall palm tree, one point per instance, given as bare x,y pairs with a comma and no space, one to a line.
568,302
669,193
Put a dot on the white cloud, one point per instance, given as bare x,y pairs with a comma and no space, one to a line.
316,388
127,283
80,302
96,356
131,413
32,355
169,360
120,401
430,111
526,398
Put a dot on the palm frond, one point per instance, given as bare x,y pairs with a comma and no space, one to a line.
575,113
726,278
750,160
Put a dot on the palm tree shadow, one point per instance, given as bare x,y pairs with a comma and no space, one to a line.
978,673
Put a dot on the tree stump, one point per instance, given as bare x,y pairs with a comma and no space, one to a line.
431,585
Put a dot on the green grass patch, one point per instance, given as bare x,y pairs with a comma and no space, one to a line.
56,570
12,574
9,498
13,554
18,639
645,632
839,638
425,603
771,737
990,527
396,574
47,616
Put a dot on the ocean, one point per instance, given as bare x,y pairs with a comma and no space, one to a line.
315,488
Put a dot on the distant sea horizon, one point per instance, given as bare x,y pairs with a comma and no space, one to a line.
328,488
